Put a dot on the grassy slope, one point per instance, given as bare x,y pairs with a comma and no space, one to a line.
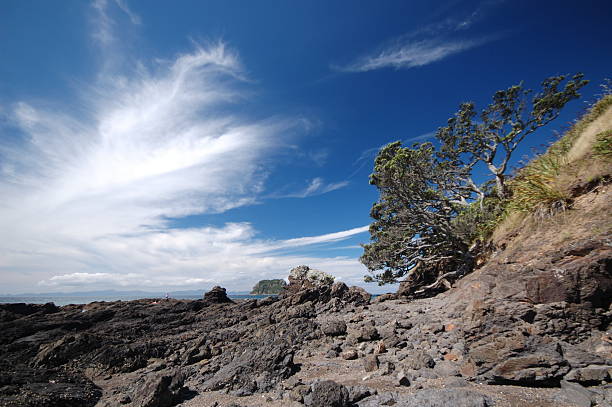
546,189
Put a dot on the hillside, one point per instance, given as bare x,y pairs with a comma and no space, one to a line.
269,287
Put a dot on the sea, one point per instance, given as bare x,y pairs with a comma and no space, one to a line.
60,300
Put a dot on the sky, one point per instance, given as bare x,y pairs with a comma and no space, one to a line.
164,146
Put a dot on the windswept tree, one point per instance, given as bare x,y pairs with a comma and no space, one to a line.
423,189
412,229
493,135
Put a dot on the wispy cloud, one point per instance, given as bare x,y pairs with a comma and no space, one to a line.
412,53
87,188
317,186
103,30
425,45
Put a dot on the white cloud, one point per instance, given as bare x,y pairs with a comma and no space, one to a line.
87,189
316,186
103,24
427,44
411,54
201,257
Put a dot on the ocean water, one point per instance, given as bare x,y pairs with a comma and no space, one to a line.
65,300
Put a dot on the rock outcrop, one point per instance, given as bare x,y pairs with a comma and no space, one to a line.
217,295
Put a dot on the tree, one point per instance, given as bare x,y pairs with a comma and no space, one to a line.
502,126
423,189
412,229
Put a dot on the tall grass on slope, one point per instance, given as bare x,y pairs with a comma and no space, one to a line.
535,188
602,148
539,188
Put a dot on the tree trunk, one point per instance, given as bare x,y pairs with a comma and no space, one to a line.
502,190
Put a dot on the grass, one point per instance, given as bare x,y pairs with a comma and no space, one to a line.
545,186
535,188
602,147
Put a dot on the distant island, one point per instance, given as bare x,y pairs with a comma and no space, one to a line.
269,287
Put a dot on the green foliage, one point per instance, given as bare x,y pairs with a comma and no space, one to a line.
430,211
412,225
603,145
491,136
269,287
476,221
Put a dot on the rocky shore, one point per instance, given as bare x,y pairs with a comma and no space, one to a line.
531,327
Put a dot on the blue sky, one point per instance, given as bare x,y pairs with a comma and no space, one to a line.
163,146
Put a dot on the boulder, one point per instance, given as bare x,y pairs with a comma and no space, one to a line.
333,327
417,360
162,389
592,374
367,333
305,277
370,363
349,354
430,398
217,295
327,393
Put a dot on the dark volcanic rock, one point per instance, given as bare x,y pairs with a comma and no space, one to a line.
334,327
327,393
217,295
159,390
430,398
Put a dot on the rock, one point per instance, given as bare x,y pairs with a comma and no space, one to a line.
367,333
357,295
217,295
370,363
380,348
349,354
534,367
577,357
159,390
387,368
65,349
305,277
334,327
358,393
402,380
591,374
575,395
418,360
384,297
298,392
430,398
270,363
446,368
327,393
